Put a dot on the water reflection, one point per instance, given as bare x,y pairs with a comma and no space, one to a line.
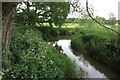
81,62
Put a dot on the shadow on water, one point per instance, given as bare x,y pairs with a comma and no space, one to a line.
93,68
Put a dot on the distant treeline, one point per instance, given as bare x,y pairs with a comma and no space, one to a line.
100,19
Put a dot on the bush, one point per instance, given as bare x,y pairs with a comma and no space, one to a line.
32,58
101,45
63,31
48,32
77,42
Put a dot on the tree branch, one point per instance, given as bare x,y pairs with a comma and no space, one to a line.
97,21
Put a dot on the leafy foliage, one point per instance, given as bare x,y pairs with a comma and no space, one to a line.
77,42
33,58
42,12
101,44
112,19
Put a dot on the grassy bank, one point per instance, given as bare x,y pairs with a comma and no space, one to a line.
100,43
32,58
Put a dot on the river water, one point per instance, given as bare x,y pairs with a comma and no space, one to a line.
92,68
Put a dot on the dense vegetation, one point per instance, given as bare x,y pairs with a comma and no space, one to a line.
30,57
42,12
33,58
100,43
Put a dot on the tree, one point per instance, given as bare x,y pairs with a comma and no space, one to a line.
42,12
28,15
79,9
112,20
101,19
101,24
8,10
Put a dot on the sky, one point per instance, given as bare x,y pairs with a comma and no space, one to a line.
104,7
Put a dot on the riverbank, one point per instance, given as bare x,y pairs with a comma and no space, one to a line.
101,67
91,67
101,44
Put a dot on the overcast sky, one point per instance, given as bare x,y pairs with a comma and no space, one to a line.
104,7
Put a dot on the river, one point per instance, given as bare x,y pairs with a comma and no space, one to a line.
92,68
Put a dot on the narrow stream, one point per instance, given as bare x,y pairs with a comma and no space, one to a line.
91,67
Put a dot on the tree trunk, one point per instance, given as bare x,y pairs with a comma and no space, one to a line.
8,10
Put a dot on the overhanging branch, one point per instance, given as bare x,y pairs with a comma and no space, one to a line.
97,21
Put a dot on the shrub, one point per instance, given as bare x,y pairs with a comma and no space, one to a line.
48,32
32,58
77,42
101,45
